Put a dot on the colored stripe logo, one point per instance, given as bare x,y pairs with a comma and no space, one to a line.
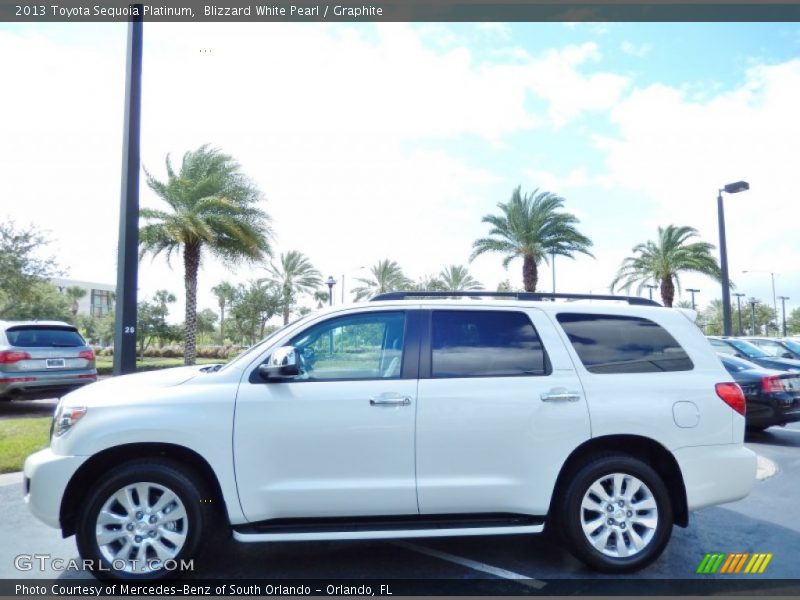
731,563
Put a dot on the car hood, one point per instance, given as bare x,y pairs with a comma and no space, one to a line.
130,386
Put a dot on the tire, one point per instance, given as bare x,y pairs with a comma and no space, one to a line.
628,537
135,536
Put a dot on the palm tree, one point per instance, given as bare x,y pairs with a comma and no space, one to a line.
530,226
75,293
662,260
212,206
456,278
225,293
294,275
430,283
386,276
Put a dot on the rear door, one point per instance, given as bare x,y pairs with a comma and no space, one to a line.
500,408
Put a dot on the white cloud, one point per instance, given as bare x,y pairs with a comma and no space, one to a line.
676,152
637,50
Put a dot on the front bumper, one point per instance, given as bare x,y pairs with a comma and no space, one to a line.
716,474
46,478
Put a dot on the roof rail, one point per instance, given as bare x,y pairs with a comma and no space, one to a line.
536,296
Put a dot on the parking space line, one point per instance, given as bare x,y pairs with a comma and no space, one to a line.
474,564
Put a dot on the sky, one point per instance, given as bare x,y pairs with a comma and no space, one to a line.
374,141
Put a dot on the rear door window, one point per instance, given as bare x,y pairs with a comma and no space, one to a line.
622,344
44,337
485,343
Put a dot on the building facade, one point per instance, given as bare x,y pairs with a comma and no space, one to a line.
99,298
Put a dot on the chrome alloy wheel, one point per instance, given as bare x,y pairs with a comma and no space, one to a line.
619,515
140,526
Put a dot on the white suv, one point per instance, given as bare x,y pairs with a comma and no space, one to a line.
424,417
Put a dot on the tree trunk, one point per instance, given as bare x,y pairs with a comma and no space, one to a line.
667,291
530,275
222,323
191,264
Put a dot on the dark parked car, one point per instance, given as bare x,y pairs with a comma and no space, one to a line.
742,349
773,397
43,359
782,348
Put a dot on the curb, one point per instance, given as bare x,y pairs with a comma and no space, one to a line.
765,468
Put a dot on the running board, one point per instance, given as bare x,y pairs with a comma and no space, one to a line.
393,527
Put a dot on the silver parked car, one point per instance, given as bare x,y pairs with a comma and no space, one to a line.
43,359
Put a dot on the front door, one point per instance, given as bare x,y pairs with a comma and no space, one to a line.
337,440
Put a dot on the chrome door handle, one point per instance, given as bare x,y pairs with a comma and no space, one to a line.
560,395
389,401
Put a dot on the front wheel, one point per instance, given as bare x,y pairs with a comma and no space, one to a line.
141,522
617,514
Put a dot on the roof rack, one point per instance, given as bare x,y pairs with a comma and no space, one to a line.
536,296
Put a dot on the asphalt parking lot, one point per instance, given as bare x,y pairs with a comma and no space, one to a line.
766,521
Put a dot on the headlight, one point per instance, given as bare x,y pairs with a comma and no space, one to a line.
65,418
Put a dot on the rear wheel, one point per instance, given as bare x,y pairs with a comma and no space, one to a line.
617,515
140,522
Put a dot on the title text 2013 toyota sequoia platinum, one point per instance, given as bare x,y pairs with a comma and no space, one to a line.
407,417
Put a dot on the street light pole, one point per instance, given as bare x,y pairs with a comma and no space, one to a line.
330,283
692,291
128,242
731,188
650,289
783,312
774,297
753,302
739,309
553,264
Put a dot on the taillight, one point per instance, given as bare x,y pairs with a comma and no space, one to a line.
12,357
732,395
771,383
87,354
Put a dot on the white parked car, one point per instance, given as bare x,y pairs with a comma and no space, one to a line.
607,421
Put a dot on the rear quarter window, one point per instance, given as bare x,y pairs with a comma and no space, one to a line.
44,337
623,344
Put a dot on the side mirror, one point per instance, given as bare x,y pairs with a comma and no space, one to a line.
787,355
283,364
737,355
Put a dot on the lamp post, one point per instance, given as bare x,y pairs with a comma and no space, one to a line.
739,297
693,292
774,298
783,312
553,264
731,188
753,303
128,242
650,289
330,283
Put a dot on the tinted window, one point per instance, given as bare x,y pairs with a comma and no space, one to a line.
366,346
47,337
485,344
617,344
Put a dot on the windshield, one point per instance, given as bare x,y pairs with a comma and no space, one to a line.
748,349
793,346
44,337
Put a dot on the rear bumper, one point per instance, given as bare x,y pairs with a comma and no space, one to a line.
32,385
763,412
46,478
716,474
